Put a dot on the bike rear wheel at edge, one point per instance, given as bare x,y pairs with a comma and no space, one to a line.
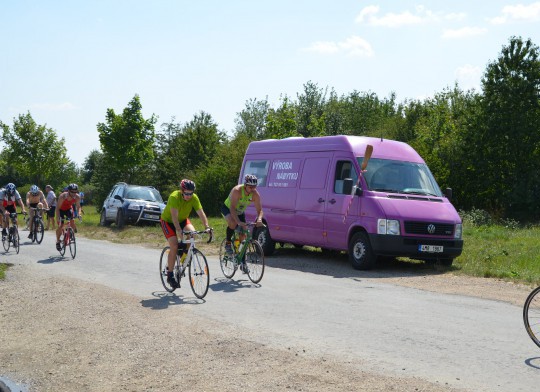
72,243
163,262
531,315
16,239
38,231
199,277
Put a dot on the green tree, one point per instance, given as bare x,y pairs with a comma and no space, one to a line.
310,118
35,153
510,138
281,122
251,121
200,139
127,140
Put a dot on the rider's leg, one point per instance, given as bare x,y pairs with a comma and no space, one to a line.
31,224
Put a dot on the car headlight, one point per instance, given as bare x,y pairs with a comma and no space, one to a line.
388,226
459,230
135,206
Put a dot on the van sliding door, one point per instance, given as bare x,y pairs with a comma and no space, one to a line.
310,200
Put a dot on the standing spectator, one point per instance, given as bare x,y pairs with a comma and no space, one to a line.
51,201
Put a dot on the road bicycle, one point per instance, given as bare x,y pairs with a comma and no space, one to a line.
248,256
190,259
12,237
67,239
531,315
37,225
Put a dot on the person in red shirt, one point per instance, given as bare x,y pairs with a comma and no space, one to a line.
64,210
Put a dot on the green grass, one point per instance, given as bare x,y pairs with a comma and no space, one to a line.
3,268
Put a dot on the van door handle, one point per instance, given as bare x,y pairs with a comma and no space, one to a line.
332,201
321,200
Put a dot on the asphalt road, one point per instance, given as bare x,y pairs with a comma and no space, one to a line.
465,342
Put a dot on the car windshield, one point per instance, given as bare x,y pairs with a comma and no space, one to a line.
385,175
142,193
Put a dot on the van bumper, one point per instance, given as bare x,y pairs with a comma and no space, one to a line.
399,246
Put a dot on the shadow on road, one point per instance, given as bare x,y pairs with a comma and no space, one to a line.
232,285
53,259
164,299
533,362
337,264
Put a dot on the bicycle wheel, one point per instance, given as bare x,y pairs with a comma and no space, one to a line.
531,315
163,269
16,240
72,243
6,241
38,231
199,278
254,261
63,241
226,261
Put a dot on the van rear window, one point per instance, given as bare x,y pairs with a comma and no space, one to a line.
258,168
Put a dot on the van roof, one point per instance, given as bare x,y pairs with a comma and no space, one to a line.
382,148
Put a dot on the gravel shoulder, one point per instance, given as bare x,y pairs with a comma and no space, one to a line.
61,334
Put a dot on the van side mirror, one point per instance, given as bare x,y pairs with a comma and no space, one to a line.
349,188
448,193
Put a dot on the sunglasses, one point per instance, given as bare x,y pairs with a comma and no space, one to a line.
188,193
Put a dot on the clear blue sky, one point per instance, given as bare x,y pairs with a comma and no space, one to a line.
66,62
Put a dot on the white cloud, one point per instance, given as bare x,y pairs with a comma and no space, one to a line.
53,107
518,13
468,76
420,15
352,46
464,32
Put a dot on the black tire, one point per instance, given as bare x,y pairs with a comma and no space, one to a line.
254,259
163,261
199,275
6,242
226,261
103,218
16,240
531,315
120,219
38,231
262,236
360,253
72,243
63,242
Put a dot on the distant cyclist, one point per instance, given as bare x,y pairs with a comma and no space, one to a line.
35,199
64,209
9,198
175,218
234,206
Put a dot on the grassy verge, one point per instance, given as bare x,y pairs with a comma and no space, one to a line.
3,268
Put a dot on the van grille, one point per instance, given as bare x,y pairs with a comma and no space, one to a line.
429,228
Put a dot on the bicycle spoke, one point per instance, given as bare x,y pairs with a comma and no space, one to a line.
226,261
254,261
72,243
163,261
199,277
531,315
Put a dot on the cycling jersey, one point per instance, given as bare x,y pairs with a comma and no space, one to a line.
184,207
9,200
244,201
67,204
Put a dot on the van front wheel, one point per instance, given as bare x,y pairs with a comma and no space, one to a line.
360,253
263,238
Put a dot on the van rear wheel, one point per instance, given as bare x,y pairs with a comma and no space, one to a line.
263,238
360,252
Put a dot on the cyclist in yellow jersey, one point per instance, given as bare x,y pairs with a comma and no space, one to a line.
234,206
175,218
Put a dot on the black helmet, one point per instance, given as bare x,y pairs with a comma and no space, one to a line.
187,185
250,179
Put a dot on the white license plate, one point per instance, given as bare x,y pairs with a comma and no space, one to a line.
430,248
148,216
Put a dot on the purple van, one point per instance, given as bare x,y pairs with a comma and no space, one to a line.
314,193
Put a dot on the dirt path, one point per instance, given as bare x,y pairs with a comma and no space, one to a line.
59,334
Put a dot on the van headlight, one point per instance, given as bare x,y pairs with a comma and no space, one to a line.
388,226
458,231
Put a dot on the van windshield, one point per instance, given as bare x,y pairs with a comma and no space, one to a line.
385,175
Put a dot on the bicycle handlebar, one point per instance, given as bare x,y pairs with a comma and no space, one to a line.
209,231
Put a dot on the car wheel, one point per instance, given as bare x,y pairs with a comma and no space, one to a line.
120,219
263,238
360,252
103,218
